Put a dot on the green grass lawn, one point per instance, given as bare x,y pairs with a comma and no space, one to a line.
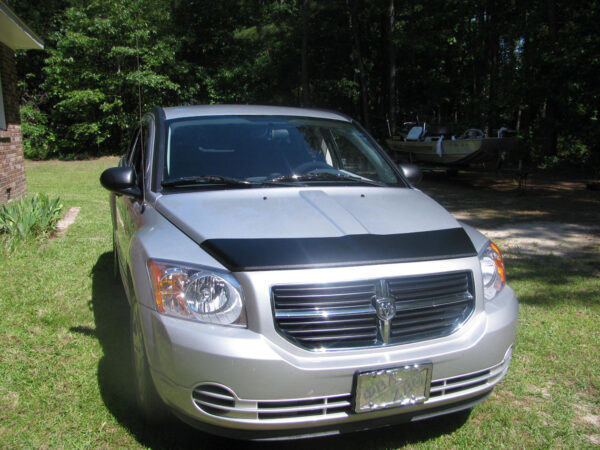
64,374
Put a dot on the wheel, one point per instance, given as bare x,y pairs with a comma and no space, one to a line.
309,166
147,399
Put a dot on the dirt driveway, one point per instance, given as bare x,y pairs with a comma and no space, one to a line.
548,217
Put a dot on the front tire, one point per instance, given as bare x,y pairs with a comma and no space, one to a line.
147,399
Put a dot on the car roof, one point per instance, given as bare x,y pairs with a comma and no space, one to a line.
178,112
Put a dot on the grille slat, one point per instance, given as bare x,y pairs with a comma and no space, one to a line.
338,287
325,304
459,383
213,399
341,315
320,406
423,327
435,302
415,281
219,401
317,408
428,311
423,294
318,313
399,288
284,296
330,296
340,337
405,324
329,330
437,286
416,286
423,323
317,323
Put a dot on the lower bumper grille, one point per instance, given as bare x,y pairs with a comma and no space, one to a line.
461,385
327,406
221,402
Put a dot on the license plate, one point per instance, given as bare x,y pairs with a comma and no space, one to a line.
402,386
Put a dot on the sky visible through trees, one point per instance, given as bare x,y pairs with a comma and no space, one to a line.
530,65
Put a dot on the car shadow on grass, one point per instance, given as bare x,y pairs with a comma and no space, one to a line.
111,314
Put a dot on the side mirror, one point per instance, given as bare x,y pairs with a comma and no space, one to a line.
412,172
121,180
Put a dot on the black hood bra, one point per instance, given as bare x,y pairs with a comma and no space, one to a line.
360,249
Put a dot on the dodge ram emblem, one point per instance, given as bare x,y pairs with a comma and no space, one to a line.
385,307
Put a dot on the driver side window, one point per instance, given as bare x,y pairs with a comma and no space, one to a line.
135,159
138,150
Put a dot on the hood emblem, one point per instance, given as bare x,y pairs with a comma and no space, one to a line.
385,307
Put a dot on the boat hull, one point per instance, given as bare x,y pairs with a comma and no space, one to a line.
459,152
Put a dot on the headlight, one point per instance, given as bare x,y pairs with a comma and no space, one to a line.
492,271
196,294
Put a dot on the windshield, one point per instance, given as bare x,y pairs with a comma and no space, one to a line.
272,150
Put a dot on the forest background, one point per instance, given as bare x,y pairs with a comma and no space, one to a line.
529,65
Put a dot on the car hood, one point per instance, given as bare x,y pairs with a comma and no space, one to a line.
288,227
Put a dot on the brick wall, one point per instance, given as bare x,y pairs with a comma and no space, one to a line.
12,166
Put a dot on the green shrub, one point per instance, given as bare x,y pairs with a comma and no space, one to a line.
39,142
28,218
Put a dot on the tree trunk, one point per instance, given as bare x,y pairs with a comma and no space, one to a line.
357,57
305,86
550,133
551,108
492,44
390,22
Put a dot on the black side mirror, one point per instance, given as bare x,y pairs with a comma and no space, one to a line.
121,180
412,172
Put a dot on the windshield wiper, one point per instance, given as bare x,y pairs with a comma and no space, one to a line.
206,179
323,176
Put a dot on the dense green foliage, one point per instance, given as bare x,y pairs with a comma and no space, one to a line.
529,65
27,218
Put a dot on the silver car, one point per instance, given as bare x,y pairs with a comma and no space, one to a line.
286,279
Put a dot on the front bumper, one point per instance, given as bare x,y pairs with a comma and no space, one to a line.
306,389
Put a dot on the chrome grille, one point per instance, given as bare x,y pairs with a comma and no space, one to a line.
464,384
328,296
219,401
213,399
342,315
326,406
430,307
327,315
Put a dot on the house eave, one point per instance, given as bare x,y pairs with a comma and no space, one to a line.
15,34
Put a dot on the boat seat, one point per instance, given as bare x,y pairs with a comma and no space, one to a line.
414,134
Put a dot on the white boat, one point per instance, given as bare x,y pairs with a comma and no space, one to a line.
431,145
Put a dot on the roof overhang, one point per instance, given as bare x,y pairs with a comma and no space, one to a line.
15,33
